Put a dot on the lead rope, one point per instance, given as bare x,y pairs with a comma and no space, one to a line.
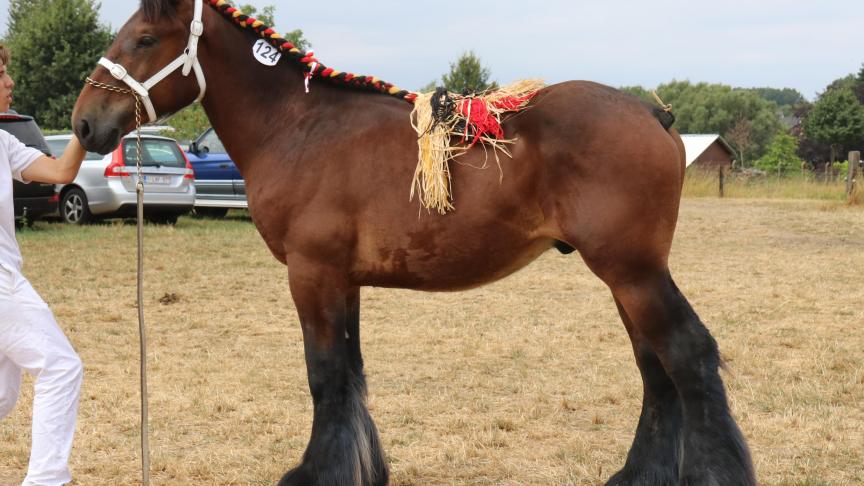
139,189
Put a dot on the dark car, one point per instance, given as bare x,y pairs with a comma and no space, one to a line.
34,200
218,184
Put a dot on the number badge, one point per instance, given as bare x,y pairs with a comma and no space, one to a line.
265,53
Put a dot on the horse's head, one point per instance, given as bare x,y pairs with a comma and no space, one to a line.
156,36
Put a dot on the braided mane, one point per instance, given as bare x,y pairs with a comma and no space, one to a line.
311,66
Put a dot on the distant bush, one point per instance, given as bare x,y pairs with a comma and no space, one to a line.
841,168
781,157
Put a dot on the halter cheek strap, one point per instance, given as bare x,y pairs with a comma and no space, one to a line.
188,61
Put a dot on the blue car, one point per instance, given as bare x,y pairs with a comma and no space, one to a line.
218,184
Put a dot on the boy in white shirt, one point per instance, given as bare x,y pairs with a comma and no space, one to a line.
30,339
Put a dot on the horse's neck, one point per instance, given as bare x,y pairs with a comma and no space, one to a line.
247,101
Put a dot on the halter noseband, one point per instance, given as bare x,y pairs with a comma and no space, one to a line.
188,61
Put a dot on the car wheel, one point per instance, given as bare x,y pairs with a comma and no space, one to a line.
162,218
74,208
215,213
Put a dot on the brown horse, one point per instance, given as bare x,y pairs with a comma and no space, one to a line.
328,176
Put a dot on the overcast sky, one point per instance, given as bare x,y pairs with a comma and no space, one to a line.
802,44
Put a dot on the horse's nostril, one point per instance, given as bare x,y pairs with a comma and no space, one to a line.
83,130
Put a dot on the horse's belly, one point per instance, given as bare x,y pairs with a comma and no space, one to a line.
458,266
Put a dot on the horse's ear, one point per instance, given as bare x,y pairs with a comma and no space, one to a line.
154,9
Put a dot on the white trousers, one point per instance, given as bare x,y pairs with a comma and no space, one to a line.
31,341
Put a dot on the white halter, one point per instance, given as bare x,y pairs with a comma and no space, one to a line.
188,60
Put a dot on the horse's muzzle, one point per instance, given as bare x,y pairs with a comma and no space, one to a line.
94,138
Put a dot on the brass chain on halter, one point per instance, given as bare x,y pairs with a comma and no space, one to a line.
139,190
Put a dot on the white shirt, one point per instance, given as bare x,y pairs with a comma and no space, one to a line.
15,157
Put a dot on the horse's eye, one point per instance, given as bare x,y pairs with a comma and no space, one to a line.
146,41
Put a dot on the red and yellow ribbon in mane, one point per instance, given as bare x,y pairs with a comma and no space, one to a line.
312,66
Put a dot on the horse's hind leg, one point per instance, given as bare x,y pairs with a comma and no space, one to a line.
653,457
344,448
713,452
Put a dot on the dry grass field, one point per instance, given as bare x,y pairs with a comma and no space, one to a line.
529,381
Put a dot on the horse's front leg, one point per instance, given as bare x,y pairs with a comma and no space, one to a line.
344,448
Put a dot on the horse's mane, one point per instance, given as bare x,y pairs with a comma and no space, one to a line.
311,66
154,9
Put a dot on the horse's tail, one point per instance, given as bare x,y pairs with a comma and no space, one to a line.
665,117
663,113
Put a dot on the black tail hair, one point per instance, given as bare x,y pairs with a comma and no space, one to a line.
666,118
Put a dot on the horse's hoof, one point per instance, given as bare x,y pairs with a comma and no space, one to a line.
706,478
644,477
302,477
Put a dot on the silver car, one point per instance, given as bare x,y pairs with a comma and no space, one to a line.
105,186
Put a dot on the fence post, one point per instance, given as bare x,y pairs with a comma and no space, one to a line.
722,180
854,160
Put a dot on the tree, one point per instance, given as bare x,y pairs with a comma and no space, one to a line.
741,116
783,97
467,75
717,108
846,82
268,15
55,44
837,118
781,157
428,87
740,136
296,38
189,123
858,89
639,92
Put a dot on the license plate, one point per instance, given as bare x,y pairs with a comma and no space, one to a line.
157,179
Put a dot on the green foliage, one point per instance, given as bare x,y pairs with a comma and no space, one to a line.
781,96
268,16
846,82
467,75
837,118
640,92
841,167
296,38
717,108
189,123
428,87
781,157
858,89
55,44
